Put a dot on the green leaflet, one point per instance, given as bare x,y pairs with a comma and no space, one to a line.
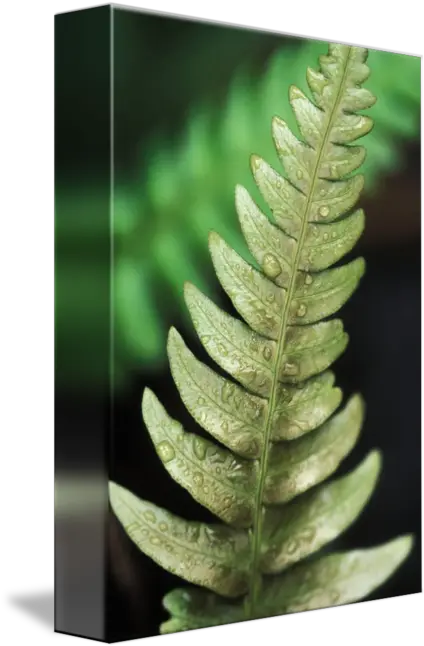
331,580
276,431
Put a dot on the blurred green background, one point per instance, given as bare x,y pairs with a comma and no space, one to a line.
191,102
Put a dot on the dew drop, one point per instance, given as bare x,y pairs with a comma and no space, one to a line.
291,369
323,211
224,427
163,527
150,516
206,490
271,266
334,234
166,452
279,184
299,174
199,448
325,236
200,401
308,279
155,540
301,310
267,352
198,479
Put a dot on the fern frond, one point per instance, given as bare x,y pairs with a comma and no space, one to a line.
213,150
277,433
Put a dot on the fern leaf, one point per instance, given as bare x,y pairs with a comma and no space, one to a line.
213,150
281,433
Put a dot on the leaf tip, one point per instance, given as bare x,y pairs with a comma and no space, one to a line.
373,463
355,408
295,93
277,123
400,548
214,239
362,265
113,490
173,335
148,396
255,162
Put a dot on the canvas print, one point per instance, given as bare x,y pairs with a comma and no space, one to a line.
237,324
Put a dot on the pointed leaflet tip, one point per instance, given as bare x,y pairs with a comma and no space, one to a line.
295,93
362,266
147,391
277,122
114,494
255,162
213,238
148,394
357,402
373,463
173,334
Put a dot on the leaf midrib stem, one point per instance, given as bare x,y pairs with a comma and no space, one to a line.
263,461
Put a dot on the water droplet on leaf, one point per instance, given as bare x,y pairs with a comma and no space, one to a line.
166,451
271,266
267,352
291,369
198,479
149,516
199,448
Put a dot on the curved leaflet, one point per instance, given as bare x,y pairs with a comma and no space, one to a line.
276,430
